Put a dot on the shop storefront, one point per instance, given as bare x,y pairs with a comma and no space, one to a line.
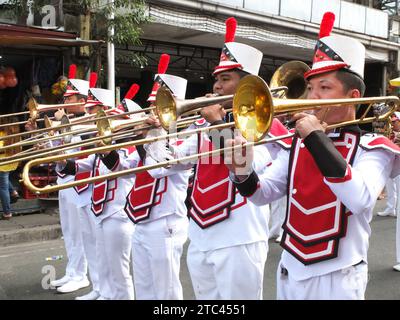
31,62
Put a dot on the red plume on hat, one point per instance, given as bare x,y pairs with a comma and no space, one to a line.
327,23
92,79
72,71
133,90
163,63
327,52
230,25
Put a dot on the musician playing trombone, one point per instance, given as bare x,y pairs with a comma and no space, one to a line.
156,206
113,230
70,201
332,184
228,235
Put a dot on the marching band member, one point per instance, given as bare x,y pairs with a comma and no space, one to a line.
156,205
392,185
396,181
69,202
87,221
326,229
113,228
228,235
393,190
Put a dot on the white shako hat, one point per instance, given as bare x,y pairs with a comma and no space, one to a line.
237,55
128,105
98,96
75,86
396,115
175,84
334,52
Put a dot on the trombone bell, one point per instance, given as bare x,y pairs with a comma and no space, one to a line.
291,75
170,109
166,107
104,127
253,108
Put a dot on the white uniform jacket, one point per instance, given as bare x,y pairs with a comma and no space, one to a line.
156,193
108,196
350,203
82,194
210,227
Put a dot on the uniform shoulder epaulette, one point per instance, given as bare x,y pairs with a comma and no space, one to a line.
200,123
127,151
278,129
372,141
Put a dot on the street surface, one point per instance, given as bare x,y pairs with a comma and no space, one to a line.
25,273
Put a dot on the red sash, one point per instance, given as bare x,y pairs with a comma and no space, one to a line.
213,192
99,192
141,198
316,219
80,176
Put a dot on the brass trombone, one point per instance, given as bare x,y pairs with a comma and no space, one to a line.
68,145
253,111
169,109
287,81
76,121
35,108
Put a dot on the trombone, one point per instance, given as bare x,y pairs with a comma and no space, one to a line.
76,121
33,154
35,108
287,82
169,109
253,111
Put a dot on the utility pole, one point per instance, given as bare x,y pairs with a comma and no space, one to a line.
111,53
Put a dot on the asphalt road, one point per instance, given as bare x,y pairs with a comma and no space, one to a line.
25,273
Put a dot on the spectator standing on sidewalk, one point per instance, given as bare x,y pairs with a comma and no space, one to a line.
8,194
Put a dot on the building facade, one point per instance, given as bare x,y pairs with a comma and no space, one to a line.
192,32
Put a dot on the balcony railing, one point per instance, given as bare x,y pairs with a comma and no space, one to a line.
349,16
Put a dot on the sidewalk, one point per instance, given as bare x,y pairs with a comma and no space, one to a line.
33,220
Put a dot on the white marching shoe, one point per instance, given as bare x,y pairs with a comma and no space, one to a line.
396,267
92,295
73,285
60,282
386,213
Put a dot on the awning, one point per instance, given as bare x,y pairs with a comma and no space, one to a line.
16,35
6,40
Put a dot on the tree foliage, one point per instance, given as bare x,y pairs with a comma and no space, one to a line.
129,16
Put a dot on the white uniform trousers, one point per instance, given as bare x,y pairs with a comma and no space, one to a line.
114,244
156,255
70,226
392,196
277,217
232,273
393,206
88,229
346,284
